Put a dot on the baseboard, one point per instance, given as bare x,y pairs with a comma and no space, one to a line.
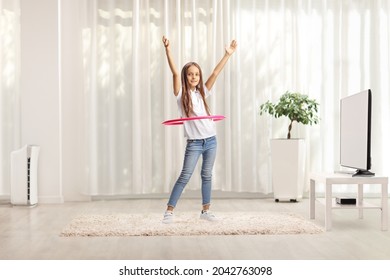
50,199
5,199
187,194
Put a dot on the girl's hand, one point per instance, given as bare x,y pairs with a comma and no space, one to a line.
230,49
165,42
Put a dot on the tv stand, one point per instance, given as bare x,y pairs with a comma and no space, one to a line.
363,173
331,179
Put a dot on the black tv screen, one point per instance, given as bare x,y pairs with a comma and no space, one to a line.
355,132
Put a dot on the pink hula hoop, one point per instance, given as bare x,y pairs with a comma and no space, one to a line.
182,120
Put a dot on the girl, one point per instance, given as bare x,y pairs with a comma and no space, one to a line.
191,93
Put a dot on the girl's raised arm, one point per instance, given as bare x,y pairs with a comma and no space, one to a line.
172,66
229,50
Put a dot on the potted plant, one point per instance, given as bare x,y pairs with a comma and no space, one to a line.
288,154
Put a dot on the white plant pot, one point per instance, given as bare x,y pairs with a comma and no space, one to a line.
288,168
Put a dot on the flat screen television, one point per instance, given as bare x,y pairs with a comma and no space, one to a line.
355,132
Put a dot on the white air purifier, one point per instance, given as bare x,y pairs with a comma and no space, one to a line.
24,176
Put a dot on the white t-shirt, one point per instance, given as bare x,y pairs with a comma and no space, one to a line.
197,129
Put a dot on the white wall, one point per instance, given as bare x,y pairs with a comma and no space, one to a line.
51,97
40,112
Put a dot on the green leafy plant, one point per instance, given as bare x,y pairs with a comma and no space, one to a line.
295,106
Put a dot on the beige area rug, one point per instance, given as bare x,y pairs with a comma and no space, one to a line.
186,224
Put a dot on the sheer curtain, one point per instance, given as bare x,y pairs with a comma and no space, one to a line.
326,49
9,87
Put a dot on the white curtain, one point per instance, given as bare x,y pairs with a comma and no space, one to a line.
326,49
9,87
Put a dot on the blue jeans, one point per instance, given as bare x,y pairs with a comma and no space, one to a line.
195,148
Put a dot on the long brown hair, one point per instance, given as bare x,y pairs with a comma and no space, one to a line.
186,98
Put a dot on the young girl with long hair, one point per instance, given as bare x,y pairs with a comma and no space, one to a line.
191,93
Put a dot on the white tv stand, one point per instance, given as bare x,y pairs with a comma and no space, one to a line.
330,179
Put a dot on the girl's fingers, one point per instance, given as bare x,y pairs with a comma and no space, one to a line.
165,41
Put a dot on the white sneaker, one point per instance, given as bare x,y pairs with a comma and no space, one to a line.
168,217
206,215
